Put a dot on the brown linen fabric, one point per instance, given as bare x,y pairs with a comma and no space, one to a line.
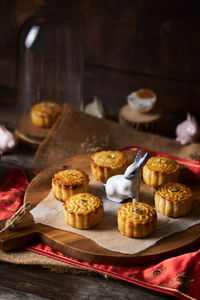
74,128
24,257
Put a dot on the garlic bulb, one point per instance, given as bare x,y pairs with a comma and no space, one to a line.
95,108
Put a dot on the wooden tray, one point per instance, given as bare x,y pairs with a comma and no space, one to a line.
79,246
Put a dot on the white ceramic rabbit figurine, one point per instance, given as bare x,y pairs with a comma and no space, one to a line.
121,187
187,131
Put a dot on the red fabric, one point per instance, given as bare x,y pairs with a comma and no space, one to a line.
12,190
193,165
177,276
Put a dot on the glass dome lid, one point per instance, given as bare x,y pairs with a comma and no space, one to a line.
49,72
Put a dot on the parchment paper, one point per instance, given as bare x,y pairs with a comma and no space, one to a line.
50,212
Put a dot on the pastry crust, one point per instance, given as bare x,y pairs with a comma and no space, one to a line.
66,183
105,164
136,219
159,170
44,114
173,199
83,210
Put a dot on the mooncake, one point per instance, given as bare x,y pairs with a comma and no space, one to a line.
83,210
136,219
105,164
173,199
159,170
66,183
44,114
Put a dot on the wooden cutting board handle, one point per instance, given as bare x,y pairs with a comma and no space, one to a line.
12,239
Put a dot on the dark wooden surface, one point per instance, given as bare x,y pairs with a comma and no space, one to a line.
140,36
32,282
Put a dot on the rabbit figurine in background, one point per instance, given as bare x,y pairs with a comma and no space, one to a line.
121,187
187,131
7,140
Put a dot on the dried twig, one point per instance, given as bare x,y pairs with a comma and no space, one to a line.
10,223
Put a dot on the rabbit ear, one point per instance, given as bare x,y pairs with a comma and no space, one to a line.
131,168
189,117
143,160
134,168
138,156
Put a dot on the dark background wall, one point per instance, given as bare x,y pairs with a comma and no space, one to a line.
128,44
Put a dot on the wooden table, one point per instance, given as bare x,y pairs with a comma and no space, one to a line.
37,282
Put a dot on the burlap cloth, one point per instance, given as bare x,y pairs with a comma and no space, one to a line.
75,133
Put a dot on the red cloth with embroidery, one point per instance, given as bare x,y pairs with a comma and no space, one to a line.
177,276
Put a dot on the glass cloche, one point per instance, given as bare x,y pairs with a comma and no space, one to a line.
49,73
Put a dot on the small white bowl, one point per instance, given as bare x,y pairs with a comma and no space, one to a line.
142,100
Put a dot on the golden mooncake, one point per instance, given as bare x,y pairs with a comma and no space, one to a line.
66,183
159,170
44,114
83,210
173,199
105,164
136,219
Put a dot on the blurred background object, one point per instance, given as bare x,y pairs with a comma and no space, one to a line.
95,108
7,140
49,71
187,132
142,112
142,100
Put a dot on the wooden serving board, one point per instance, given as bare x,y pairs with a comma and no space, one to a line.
78,246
